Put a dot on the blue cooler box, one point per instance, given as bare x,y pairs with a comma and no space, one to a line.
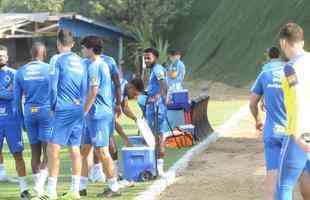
179,100
137,140
139,163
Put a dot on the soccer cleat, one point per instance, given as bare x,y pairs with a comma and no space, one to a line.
25,195
45,197
97,175
83,193
108,193
70,196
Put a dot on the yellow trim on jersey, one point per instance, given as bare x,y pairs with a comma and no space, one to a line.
290,102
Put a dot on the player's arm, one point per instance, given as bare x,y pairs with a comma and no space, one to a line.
121,133
127,110
54,78
256,113
257,92
18,93
163,88
93,89
118,93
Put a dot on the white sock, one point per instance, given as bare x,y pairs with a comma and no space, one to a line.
51,186
98,166
36,178
23,183
39,185
2,170
116,167
43,176
83,183
75,184
113,184
160,166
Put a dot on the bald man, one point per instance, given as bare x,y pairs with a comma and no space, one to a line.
33,81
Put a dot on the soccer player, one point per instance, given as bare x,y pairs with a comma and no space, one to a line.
175,71
268,86
156,111
68,95
10,122
296,87
129,91
33,80
96,171
99,115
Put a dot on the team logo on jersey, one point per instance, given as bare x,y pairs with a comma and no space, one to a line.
290,75
7,78
34,109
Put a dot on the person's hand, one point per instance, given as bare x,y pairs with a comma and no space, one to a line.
118,110
259,125
302,143
127,143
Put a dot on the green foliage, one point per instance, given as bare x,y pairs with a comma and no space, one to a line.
32,5
162,47
229,43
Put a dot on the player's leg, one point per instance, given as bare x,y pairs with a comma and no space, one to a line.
160,111
53,151
114,153
304,182
3,175
86,149
292,163
272,151
14,139
100,133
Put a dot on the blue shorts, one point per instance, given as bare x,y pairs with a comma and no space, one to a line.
97,132
68,127
293,162
159,109
272,150
12,132
39,124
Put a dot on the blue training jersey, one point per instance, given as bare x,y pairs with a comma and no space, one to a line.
68,82
175,84
268,84
99,75
273,63
6,94
158,73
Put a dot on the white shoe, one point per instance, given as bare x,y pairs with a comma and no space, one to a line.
97,175
4,178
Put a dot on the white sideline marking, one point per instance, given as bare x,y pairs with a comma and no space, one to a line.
161,184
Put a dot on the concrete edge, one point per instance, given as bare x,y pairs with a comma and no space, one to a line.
161,184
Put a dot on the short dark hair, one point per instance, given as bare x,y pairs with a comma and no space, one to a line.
273,52
174,52
93,42
152,51
37,49
292,32
138,84
65,37
3,48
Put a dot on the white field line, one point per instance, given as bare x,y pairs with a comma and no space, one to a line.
161,184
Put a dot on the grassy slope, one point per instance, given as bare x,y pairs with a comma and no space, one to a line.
232,36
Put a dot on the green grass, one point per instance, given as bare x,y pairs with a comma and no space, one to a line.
219,112
10,191
224,40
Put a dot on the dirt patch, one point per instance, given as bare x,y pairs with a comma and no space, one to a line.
232,168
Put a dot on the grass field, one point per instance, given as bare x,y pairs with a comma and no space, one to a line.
218,112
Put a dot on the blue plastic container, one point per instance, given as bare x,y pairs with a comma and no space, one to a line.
139,163
137,140
179,100
188,128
